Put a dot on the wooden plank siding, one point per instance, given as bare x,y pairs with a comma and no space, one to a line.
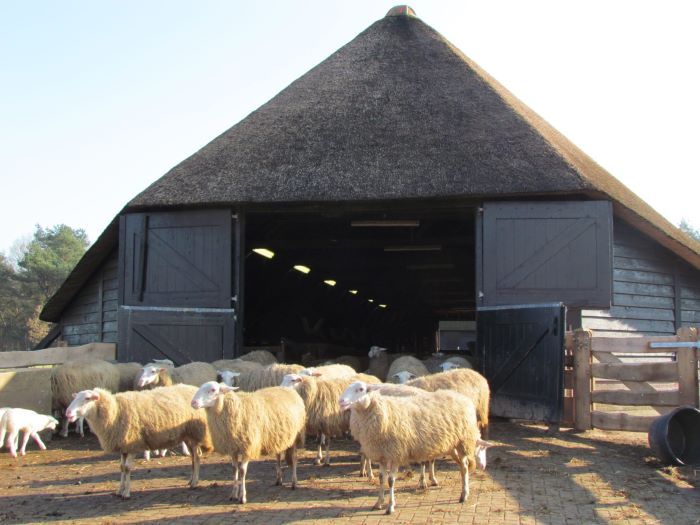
654,293
92,315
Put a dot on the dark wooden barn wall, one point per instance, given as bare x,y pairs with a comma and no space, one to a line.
92,315
654,293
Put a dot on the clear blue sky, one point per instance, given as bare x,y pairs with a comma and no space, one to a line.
100,98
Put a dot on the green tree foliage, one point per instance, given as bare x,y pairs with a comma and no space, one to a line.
688,229
42,266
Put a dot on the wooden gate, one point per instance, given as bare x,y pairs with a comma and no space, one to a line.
624,383
520,349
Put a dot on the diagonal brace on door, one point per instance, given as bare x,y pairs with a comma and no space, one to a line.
509,367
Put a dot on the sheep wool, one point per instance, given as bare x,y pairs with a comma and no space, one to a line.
404,368
249,426
395,431
133,422
270,375
128,373
465,381
264,357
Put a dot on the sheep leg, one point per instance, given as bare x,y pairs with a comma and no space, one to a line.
366,468
242,492
194,480
461,460
122,469
278,470
79,424
25,439
291,457
128,466
12,440
433,479
38,441
393,470
234,492
64,428
147,455
380,498
327,461
421,480
319,454
185,450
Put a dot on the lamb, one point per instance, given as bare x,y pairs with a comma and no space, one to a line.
74,376
395,431
29,422
248,426
323,415
455,362
406,368
465,381
133,422
263,357
194,374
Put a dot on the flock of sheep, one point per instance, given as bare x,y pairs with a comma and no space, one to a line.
416,418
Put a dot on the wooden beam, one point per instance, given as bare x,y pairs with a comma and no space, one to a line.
57,355
660,372
582,379
626,397
621,421
687,361
630,345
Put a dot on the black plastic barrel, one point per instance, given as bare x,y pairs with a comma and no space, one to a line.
675,437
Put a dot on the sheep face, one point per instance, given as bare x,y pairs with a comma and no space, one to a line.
149,375
355,393
481,447
291,380
449,365
403,376
228,377
310,371
374,351
82,403
209,392
51,423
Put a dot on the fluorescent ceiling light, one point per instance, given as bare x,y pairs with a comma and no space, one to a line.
382,306
330,282
414,248
264,252
354,292
386,223
370,300
301,268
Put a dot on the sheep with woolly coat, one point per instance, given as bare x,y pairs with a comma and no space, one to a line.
330,371
128,373
227,370
81,374
270,375
396,431
16,420
323,415
133,422
468,382
194,374
248,426
264,357
405,368
455,361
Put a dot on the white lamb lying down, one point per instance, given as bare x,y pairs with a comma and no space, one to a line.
15,420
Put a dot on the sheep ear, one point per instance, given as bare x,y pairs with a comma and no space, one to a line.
395,376
412,376
225,388
75,394
92,395
483,443
373,387
316,374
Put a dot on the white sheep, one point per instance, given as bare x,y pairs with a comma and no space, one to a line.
405,368
378,362
194,374
465,381
128,372
264,357
133,422
248,426
323,415
329,371
81,374
14,420
270,375
396,431
455,362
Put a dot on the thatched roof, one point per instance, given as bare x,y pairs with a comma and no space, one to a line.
396,114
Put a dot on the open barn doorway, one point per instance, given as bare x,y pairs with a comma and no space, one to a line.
339,282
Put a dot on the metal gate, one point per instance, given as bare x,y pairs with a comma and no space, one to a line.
521,351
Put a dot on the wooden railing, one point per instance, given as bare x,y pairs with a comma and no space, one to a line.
637,381
57,355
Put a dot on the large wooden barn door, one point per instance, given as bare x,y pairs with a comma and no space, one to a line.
177,294
521,351
536,252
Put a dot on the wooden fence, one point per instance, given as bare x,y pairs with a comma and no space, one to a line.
624,383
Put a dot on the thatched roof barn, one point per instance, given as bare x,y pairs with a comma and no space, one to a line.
397,124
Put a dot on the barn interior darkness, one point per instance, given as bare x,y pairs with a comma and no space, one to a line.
383,278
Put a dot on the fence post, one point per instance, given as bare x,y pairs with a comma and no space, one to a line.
582,379
687,360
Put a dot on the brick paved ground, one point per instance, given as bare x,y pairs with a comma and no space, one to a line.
533,477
